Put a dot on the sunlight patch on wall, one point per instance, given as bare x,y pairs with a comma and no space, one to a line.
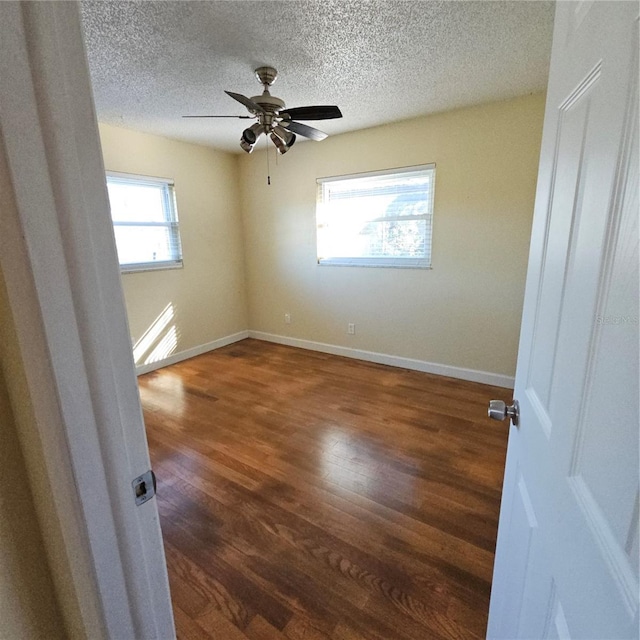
160,340
165,347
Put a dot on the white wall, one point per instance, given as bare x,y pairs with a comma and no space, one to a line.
465,312
207,297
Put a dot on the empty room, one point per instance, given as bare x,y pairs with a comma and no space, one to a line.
311,316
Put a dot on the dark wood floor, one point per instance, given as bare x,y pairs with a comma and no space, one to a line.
308,496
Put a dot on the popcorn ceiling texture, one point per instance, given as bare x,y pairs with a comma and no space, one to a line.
379,61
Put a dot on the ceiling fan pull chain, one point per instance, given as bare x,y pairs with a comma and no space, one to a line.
266,140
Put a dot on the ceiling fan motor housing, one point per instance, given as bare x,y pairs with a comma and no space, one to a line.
271,106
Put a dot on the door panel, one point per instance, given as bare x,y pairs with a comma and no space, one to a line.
605,459
570,568
571,136
556,626
524,520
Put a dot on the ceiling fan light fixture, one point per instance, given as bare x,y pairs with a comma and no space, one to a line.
282,138
250,136
245,146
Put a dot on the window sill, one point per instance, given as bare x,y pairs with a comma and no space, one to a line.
389,263
150,266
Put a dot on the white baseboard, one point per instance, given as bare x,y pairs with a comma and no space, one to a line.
486,377
190,353
461,373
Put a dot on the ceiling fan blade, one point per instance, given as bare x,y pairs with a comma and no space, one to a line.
304,130
250,104
243,117
322,112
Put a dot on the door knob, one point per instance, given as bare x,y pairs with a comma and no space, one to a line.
499,410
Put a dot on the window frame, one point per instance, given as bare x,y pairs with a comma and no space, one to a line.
170,211
396,262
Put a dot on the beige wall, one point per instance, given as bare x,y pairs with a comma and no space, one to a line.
208,294
28,607
464,312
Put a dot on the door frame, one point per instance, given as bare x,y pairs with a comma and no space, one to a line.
71,361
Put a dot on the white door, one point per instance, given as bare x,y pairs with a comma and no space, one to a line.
567,553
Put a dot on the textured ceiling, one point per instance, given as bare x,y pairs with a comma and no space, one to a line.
378,60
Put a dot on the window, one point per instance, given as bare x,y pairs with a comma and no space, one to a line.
380,219
145,222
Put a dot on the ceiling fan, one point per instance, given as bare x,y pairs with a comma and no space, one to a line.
274,120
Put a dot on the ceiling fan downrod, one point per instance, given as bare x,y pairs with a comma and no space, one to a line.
269,121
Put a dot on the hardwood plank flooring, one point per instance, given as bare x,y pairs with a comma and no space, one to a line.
305,496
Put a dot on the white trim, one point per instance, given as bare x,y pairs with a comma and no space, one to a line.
381,172
389,263
138,267
191,353
473,375
136,177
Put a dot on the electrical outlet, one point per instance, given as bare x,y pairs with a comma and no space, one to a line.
351,329
287,318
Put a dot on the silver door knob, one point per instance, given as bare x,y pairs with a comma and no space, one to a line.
499,410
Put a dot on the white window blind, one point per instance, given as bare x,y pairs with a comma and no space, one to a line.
381,219
145,222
